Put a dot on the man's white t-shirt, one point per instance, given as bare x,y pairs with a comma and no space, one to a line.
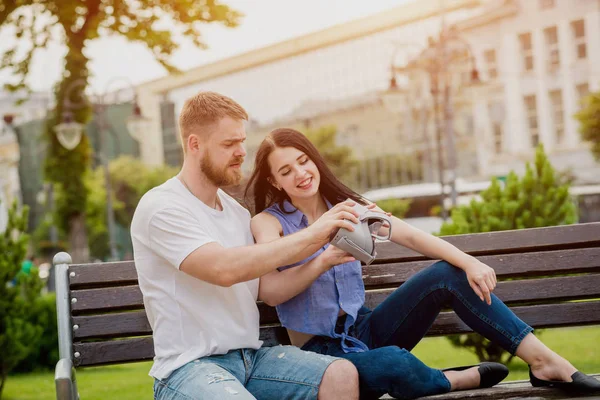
191,318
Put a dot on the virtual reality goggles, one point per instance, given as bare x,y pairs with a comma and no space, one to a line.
361,242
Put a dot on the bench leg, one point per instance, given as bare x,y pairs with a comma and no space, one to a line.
64,378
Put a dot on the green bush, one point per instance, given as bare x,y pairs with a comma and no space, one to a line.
537,199
43,353
397,207
16,295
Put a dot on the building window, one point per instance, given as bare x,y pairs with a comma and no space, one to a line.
582,91
532,122
468,124
553,61
490,63
546,4
556,103
578,29
526,51
496,112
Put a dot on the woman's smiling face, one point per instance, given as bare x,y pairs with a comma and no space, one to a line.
294,172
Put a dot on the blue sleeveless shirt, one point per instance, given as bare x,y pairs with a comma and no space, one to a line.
315,311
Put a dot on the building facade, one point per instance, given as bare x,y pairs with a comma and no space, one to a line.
536,59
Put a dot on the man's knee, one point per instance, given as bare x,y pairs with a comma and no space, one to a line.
340,379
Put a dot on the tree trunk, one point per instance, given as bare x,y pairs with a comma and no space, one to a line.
67,167
3,376
78,241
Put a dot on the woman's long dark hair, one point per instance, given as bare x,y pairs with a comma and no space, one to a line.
260,194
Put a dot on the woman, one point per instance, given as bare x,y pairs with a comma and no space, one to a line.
320,300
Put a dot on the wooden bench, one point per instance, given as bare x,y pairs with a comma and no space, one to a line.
101,317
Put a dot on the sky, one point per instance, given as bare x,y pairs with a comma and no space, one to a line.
115,62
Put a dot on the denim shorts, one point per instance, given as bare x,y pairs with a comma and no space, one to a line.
280,372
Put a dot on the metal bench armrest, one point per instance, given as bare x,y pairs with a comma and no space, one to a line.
64,379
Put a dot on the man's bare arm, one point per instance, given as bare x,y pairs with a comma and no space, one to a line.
227,266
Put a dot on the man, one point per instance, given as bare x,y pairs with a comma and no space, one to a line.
198,270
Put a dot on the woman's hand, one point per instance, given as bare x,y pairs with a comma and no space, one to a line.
482,279
337,217
333,256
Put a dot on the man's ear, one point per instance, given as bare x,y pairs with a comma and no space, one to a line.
193,142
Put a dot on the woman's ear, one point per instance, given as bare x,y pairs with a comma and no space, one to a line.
275,185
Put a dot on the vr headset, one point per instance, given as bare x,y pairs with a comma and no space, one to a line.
361,242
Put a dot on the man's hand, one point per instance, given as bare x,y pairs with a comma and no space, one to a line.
482,279
333,256
337,217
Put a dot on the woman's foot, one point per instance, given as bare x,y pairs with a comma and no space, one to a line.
578,383
554,368
545,364
486,374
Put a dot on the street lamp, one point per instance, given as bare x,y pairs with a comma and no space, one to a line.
394,98
436,61
69,135
68,132
8,124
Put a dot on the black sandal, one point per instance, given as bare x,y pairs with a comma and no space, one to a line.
582,383
490,373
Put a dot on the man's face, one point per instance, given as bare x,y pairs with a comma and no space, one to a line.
224,153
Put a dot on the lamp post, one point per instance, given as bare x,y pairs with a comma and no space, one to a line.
69,134
435,61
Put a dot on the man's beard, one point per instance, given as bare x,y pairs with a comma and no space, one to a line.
224,176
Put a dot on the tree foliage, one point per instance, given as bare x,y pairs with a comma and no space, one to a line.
539,198
397,207
130,179
37,22
338,158
18,294
589,120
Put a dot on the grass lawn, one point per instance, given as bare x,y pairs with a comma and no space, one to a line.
131,382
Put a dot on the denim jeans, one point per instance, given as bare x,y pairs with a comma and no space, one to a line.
395,327
280,372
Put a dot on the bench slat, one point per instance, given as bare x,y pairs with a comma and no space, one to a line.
114,351
540,316
524,240
531,290
560,288
103,274
559,237
507,265
111,325
107,299
509,390
141,349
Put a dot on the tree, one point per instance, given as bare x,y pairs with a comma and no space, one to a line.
80,22
539,198
18,293
130,179
338,158
589,120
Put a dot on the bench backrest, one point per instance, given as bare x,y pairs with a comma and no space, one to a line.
542,271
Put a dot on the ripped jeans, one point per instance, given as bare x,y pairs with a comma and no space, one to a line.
280,372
